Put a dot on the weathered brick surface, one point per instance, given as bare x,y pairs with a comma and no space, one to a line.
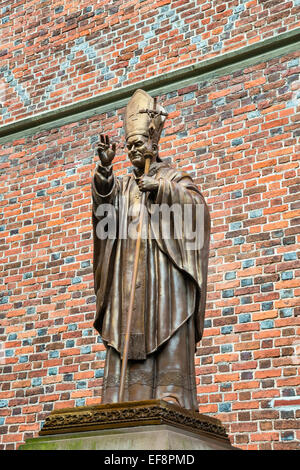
238,135
54,53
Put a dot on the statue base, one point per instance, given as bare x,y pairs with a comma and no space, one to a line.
139,425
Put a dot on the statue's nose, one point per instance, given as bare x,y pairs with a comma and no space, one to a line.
133,149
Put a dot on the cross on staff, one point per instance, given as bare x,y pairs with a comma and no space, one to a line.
152,113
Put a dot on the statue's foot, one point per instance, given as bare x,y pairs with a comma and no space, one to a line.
171,399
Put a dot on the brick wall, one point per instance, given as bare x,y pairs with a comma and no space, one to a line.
238,135
53,52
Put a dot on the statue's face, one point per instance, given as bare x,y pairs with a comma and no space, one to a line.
138,146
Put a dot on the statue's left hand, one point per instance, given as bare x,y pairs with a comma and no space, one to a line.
146,183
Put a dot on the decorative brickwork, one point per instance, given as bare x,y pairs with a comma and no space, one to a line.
239,136
54,52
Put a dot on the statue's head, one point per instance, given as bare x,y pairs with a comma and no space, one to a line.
138,147
141,130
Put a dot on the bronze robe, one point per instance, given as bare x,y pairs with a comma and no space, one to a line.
168,313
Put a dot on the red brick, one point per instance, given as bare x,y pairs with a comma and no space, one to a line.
208,408
265,436
248,405
246,385
262,374
257,82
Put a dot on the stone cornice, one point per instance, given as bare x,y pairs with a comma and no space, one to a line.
127,414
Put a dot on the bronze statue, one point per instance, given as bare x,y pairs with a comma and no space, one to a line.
168,292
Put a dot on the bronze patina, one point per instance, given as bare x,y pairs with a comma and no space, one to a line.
155,281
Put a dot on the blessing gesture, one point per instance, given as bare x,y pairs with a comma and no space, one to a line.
106,151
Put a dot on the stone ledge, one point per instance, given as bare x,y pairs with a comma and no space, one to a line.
139,438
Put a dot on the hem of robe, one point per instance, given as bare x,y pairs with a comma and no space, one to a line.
167,373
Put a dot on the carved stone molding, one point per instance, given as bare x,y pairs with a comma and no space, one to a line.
127,414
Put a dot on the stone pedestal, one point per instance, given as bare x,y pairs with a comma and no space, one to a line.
140,425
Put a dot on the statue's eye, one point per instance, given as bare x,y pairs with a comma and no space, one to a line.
139,144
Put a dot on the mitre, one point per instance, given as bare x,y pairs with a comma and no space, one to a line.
138,123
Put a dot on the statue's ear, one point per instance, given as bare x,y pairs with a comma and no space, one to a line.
155,151
154,147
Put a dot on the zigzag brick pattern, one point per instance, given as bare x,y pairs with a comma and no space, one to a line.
54,53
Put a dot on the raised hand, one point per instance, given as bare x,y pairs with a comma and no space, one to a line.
106,152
